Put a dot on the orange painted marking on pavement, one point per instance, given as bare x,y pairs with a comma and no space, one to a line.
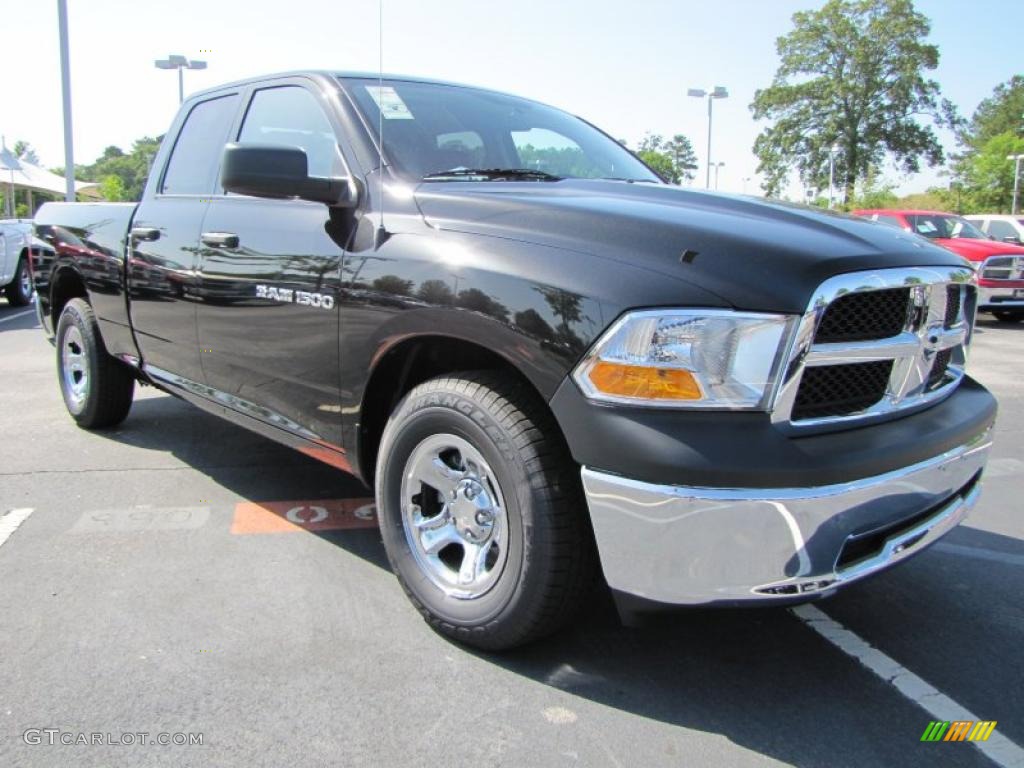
308,515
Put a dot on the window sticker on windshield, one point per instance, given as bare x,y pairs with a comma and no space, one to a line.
389,103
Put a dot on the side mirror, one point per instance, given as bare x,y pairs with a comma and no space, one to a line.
1012,239
280,172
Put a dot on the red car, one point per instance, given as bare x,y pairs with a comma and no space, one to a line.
1000,265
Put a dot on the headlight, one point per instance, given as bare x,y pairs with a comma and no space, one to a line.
683,358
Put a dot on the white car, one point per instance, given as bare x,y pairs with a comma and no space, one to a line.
1008,229
15,278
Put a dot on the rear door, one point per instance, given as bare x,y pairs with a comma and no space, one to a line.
163,254
270,276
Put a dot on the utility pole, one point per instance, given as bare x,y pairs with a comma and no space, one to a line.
1016,180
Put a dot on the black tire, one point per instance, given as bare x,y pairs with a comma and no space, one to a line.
550,562
1009,317
106,396
19,290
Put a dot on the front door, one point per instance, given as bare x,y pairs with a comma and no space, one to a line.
270,273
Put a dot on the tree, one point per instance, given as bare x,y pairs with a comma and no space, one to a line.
132,169
1002,112
994,131
112,188
674,160
24,151
852,75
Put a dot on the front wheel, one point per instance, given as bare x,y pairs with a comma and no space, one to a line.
19,291
97,389
1009,317
481,511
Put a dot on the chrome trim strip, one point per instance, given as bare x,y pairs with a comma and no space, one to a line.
689,546
912,351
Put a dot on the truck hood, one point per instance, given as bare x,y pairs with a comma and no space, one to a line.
979,250
753,254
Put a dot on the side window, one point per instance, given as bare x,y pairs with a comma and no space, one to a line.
545,150
1001,229
290,115
192,169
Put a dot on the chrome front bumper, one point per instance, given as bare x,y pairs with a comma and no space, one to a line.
694,546
999,299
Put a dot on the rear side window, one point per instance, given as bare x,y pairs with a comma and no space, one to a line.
290,115
192,169
1001,230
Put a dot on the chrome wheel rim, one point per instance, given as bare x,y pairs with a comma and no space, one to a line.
454,516
74,366
26,283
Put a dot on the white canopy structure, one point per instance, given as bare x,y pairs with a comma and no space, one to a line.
17,173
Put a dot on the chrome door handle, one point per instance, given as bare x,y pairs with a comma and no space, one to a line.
147,234
219,239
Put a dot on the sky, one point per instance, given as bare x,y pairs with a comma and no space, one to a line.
623,66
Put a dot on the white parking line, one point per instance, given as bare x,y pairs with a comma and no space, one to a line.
980,553
15,317
998,748
9,523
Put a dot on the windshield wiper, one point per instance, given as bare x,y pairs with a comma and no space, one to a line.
492,174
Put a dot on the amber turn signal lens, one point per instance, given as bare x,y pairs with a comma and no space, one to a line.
643,382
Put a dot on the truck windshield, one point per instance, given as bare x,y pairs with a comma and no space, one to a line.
936,226
430,129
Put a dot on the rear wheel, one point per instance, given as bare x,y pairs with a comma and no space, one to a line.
1009,317
97,389
481,511
19,291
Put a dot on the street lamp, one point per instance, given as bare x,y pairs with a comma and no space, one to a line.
717,167
718,92
746,180
180,63
832,152
1016,180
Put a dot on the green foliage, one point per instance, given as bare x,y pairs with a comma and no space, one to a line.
672,159
988,175
24,151
130,169
851,75
994,131
1002,112
560,161
112,188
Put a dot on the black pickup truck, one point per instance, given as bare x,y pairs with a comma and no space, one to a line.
545,360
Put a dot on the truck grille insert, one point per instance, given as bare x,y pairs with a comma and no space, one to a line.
953,301
865,316
875,343
837,390
1003,268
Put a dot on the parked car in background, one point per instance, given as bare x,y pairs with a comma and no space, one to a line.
1008,229
15,278
1000,265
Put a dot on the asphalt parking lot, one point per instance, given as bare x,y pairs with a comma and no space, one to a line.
153,588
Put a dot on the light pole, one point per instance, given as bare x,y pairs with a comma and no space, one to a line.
746,180
65,87
718,92
717,167
180,63
832,152
1016,180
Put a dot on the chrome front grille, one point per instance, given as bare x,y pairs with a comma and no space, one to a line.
875,343
1003,268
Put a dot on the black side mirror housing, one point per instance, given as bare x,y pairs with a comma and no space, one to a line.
281,172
